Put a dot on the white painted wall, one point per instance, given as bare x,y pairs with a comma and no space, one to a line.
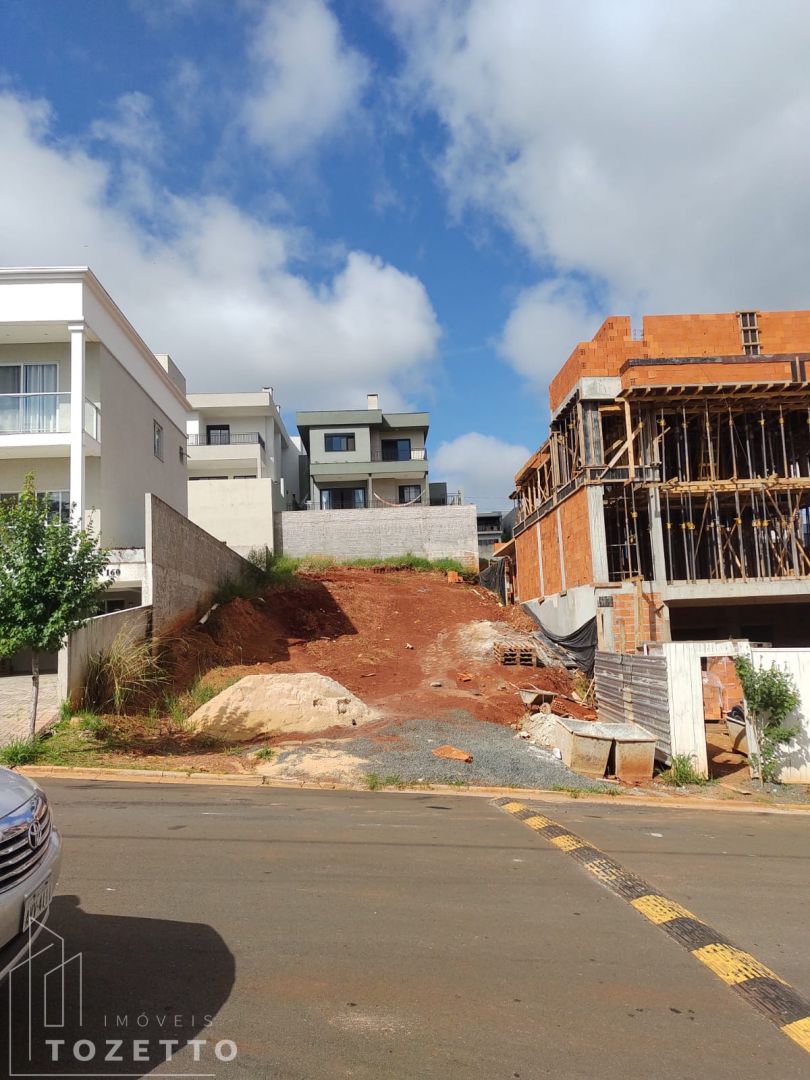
794,757
239,512
128,467
685,684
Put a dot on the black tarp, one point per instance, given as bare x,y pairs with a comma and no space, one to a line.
493,577
579,645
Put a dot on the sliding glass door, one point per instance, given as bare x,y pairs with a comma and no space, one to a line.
41,403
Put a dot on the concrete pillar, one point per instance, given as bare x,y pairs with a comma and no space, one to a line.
77,482
596,527
369,493
657,539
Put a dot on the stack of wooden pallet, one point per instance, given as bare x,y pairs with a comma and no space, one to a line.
516,651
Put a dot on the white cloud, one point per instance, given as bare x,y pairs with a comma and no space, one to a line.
657,151
309,81
543,327
482,466
210,284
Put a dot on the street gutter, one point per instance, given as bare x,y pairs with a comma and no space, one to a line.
155,776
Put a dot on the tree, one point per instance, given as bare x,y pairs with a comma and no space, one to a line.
770,698
49,580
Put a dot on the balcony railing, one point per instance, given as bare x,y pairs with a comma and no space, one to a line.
227,438
399,455
44,414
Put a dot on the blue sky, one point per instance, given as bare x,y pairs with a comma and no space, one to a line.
431,200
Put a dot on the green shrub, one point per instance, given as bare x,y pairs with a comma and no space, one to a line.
770,697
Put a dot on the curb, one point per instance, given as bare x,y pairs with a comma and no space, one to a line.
765,991
155,776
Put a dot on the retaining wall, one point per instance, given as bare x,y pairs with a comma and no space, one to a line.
184,566
433,532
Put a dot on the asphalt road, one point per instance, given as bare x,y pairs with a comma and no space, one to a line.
335,934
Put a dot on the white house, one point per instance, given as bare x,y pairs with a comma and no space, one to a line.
89,410
242,467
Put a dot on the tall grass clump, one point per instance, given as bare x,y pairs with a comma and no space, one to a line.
130,669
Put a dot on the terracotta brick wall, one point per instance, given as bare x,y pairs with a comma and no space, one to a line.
667,336
690,335
723,673
603,355
784,331
753,369
636,619
576,536
528,567
551,554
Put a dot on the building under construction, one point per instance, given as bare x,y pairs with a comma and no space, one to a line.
672,497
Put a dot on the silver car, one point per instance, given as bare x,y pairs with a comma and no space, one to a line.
30,857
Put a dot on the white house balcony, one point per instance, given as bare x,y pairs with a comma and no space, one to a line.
227,450
39,424
399,454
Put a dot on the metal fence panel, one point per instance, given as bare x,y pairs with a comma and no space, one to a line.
634,688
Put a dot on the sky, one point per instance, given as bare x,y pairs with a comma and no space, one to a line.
433,200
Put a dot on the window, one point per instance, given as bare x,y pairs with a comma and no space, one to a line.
749,330
218,434
409,493
58,502
343,498
338,443
157,440
28,399
396,449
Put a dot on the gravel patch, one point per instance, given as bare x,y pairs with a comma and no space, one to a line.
499,757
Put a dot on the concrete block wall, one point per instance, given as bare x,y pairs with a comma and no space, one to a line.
184,566
433,532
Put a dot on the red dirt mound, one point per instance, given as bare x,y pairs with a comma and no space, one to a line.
387,637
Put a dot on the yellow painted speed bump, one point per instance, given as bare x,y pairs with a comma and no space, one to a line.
732,965
762,988
658,909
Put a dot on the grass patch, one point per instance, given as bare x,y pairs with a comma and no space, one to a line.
375,782
272,569
682,772
265,753
21,752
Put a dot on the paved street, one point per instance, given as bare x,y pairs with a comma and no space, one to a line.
336,934
15,705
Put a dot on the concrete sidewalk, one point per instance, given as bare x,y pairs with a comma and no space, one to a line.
15,705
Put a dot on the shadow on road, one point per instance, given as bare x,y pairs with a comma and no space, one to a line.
148,985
